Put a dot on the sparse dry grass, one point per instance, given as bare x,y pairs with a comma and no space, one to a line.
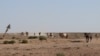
51,47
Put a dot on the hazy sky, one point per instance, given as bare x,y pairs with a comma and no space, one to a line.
50,15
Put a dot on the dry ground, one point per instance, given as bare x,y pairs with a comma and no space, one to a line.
51,47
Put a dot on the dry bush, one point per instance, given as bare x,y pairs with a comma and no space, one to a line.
1,38
60,54
9,42
13,37
24,41
42,38
76,41
32,37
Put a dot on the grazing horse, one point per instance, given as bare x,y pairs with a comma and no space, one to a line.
63,35
88,37
96,35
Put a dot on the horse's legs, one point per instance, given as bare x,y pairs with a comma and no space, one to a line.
90,38
87,39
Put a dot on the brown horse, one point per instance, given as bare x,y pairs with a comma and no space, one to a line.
88,37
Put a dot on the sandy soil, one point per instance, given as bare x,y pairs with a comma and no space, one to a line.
51,47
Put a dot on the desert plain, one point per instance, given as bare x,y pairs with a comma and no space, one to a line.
74,45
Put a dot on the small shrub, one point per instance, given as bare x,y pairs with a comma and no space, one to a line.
60,54
13,37
5,42
76,41
32,37
1,38
24,41
42,38
19,40
9,42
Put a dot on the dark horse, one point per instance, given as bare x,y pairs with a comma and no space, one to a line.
88,37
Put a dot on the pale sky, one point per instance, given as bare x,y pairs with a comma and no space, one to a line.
50,15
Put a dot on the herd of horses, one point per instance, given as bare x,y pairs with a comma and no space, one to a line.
88,36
